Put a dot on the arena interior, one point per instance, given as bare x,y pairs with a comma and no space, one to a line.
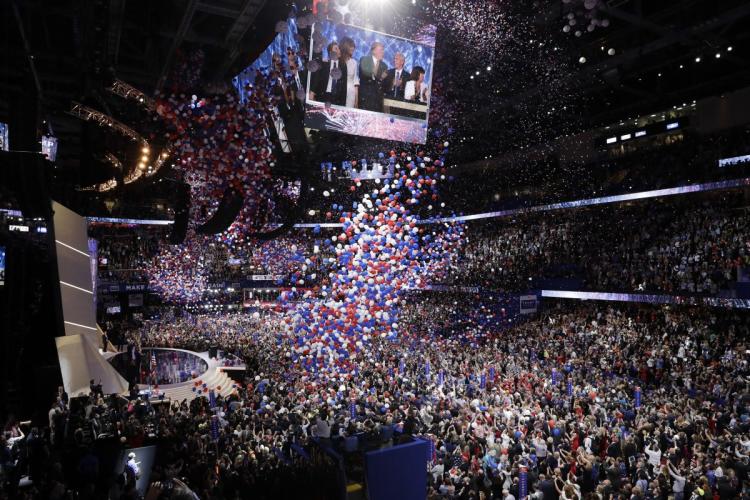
375,249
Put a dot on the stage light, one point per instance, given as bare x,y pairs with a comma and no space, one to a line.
718,55
145,149
582,60
729,49
489,68
698,59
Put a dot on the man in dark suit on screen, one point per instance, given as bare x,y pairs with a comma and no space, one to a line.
372,73
297,85
328,84
394,83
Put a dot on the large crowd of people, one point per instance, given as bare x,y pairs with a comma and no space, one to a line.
675,247
123,253
591,401
691,246
556,395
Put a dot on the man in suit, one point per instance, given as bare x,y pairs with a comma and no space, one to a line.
394,83
324,86
297,82
372,72
299,76
292,108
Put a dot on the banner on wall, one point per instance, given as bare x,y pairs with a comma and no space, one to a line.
4,137
529,304
265,277
650,298
449,288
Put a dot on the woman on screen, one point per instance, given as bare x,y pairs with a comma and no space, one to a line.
416,89
352,80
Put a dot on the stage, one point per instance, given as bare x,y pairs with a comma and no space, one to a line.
214,377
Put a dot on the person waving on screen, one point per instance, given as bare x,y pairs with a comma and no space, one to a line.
372,72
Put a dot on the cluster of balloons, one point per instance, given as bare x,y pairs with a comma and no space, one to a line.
186,72
583,16
179,273
381,251
220,144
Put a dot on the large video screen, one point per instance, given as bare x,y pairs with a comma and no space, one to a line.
367,83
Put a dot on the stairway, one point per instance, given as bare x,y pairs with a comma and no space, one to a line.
213,378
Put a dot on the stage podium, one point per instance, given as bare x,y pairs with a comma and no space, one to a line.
398,472
405,108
